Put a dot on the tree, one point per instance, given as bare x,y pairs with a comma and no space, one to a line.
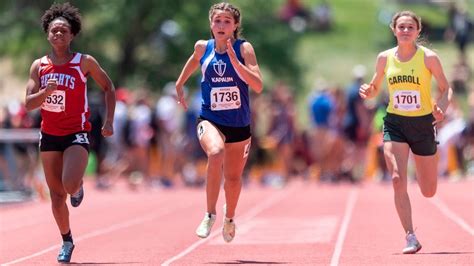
145,43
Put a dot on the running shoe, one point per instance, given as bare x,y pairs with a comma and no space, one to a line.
204,228
413,246
77,197
228,229
65,253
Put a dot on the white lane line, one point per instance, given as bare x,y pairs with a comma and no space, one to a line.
345,224
451,215
99,232
245,218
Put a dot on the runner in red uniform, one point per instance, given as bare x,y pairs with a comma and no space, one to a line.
58,85
65,111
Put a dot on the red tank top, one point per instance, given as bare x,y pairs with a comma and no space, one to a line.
66,110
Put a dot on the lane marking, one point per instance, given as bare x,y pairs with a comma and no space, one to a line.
451,215
285,230
99,232
345,224
245,218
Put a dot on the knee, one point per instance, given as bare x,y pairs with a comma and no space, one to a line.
396,180
399,184
57,199
429,193
232,181
71,187
216,154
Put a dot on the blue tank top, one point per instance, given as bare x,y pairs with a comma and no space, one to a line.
225,95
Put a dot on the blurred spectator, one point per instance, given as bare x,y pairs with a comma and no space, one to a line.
357,121
194,169
299,18
19,160
169,118
302,161
260,153
295,14
376,168
466,143
116,161
292,9
459,26
98,147
321,16
449,133
281,130
461,75
327,145
138,134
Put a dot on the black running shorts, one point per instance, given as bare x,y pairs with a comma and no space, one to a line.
61,143
419,132
232,134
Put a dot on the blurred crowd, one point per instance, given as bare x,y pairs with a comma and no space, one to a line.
155,142
299,17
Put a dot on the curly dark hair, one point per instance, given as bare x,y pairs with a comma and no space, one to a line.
66,11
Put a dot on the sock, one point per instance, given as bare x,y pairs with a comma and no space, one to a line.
229,220
67,237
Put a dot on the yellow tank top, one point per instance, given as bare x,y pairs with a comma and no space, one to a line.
409,85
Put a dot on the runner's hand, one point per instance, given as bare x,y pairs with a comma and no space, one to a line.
438,114
231,53
107,129
181,99
365,90
51,86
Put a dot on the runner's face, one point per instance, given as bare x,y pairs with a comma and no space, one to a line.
223,25
406,29
59,33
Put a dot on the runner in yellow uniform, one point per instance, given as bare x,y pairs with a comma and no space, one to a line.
411,116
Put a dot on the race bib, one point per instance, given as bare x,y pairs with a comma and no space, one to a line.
56,102
406,100
225,98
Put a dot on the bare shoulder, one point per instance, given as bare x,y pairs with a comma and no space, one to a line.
247,47
88,59
430,56
384,54
36,63
382,58
89,64
200,47
428,52
35,66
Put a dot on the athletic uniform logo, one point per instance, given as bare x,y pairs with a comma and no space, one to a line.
219,67
81,138
247,150
200,130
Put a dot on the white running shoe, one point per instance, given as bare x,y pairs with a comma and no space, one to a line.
413,246
228,229
204,228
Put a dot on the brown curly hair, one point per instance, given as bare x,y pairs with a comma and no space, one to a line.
406,13
229,8
70,13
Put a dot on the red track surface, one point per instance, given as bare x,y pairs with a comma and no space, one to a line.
302,224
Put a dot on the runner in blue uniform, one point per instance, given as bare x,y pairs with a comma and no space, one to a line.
229,67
